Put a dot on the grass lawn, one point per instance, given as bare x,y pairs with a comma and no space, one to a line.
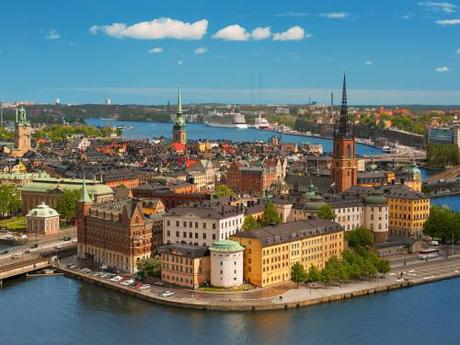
13,223
245,287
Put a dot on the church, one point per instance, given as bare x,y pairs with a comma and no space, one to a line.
179,135
22,136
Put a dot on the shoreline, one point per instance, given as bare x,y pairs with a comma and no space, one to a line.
291,298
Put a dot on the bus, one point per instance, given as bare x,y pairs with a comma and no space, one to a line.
428,253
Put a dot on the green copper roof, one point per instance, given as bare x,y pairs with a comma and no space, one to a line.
226,246
49,184
42,211
84,196
413,170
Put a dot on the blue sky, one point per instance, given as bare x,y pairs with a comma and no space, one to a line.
393,51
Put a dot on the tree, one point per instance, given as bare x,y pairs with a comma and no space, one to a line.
383,266
223,190
298,273
442,223
359,237
313,274
326,212
149,267
325,275
271,216
10,200
67,205
250,223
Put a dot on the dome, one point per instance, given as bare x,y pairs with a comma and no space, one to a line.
315,203
376,198
311,191
43,211
372,166
414,171
226,246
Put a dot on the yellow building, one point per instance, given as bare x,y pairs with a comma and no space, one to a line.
414,178
271,251
408,211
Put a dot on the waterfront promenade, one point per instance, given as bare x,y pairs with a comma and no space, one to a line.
287,296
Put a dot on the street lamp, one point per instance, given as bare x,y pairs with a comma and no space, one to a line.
23,237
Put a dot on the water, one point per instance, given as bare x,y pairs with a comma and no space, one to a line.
143,130
59,310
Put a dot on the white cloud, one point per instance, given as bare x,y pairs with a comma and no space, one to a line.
368,62
232,33
445,7
458,51
293,34
261,33
442,69
448,22
335,15
156,50
236,32
52,35
200,50
292,14
156,29
180,62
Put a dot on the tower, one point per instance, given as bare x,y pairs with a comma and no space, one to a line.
83,206
344,165
22,134
179,135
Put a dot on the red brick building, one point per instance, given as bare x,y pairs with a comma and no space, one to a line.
252,180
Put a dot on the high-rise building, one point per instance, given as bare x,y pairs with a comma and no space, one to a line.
344,164
179,135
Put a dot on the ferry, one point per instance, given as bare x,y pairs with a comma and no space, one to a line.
227,120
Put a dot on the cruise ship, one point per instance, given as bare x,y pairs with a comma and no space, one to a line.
226,120
262,123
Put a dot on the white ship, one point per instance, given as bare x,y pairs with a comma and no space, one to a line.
226,120
262,123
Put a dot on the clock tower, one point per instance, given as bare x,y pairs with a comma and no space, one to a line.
344,165
179,135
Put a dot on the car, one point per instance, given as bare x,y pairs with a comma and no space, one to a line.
67,238
3,252
85,270
159,283
128,282
34,246
58,246
167,293
144,287
116,279
14,257
433,243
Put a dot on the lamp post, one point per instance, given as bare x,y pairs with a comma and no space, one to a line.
23,237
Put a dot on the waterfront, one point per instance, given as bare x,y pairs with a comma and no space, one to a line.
147,130
66,311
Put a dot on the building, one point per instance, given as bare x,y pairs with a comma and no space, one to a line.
413,178
113,233
49,190
271,251
254,180
20,178
179,134
42,220
185,265
23,134
344,165
202,225
440,135
226,264
408,211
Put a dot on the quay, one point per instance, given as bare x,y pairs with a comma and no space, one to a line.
288,296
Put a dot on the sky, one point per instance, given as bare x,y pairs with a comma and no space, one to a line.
272,51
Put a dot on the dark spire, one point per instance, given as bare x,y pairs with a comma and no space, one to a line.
344,125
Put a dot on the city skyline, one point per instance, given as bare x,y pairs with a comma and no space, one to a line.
288,53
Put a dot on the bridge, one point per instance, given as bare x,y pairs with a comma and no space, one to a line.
22,267
396,158
448,175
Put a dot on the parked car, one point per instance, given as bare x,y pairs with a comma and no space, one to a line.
144,287
34,246
128,282
67,238
116,279
159,283
58,246
85,270
433,243
3,252
167,293
14,257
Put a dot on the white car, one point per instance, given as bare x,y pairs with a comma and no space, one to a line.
116,279
144,287
128,282
167,293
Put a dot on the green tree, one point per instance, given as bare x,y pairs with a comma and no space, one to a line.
250,223
383,266
326,275
359,237
442,223
67,205
326,212
223,190
10,200
271,215
298,274
149,267
313,274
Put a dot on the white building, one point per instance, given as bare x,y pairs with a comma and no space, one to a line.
42,220
226,264
201,225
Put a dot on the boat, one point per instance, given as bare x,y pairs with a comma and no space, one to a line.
226,120
262,123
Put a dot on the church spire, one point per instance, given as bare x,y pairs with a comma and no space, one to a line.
344,125
84,196
179,101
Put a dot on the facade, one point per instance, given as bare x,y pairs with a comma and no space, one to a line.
253,180
226,264
201,225
270,252
179,135
48,190
344,166
42,220
185,265
113,233
408,211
